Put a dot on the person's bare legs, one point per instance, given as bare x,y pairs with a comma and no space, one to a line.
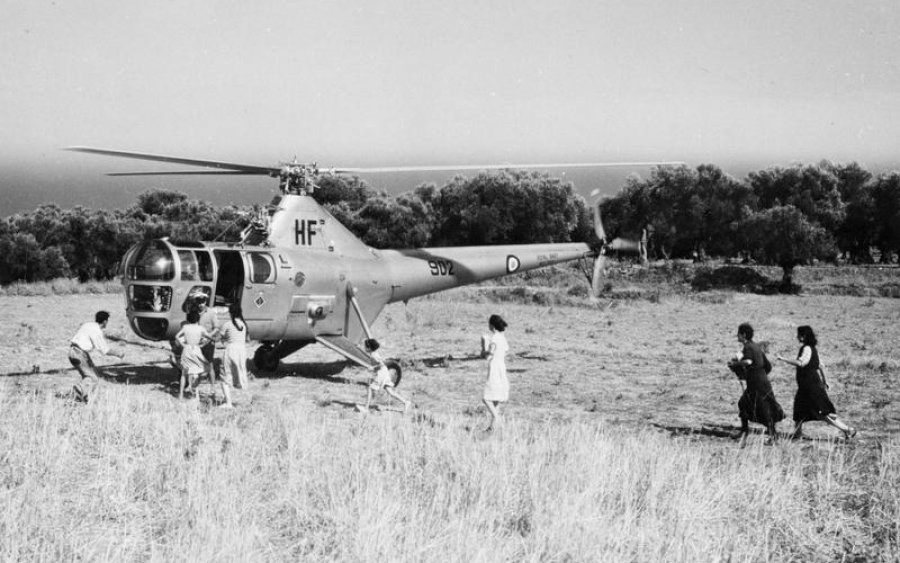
494,409
392,393
181,384
833,420
369,394
225,391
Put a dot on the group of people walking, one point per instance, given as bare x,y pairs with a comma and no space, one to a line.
194,349
758,404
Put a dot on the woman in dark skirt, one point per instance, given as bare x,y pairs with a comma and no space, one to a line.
757,403
811,401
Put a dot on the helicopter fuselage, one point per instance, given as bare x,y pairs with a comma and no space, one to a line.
311,278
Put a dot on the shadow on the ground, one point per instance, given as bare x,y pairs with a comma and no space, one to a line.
446,360
730,431
350,405
308,370
711,430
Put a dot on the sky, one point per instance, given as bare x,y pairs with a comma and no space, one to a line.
743,85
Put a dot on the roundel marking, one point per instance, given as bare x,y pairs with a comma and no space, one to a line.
512,264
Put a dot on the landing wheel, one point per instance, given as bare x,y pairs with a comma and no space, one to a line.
266,358
395,371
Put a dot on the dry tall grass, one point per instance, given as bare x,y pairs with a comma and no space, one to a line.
604,456
150,479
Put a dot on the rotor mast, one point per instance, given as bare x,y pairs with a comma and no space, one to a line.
296,178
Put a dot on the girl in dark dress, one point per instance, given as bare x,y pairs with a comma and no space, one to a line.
811,401
757,403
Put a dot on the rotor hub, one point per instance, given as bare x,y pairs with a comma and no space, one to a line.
298,179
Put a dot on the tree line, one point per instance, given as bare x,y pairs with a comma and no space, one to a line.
783,215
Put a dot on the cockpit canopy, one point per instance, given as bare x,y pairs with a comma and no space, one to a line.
155,272
150,261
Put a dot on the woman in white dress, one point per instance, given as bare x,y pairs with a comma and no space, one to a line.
496,390
234,336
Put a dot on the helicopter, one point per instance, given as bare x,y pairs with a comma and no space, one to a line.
301,277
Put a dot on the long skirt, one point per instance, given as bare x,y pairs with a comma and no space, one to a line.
761,408
811,401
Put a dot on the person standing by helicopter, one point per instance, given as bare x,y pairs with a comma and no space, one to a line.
234,336
210,323
496,390
193,362
87,339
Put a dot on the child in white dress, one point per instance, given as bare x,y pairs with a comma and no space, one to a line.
496,389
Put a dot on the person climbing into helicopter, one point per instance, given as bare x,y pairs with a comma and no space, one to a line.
381,377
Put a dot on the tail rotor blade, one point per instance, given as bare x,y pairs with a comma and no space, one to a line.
598,223
599,263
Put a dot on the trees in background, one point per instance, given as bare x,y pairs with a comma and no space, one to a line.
785,236
886,203
787,216
836,210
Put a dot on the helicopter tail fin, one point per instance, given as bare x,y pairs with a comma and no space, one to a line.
298,221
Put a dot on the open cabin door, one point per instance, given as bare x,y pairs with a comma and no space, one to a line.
229,279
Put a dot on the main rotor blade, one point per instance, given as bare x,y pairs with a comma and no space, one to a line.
449,167
190,173
245,168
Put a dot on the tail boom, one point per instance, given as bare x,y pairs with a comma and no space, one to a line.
429,270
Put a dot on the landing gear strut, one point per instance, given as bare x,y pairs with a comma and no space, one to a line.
392,364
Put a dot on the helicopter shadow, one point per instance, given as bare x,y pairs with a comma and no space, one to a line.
325,371
163,377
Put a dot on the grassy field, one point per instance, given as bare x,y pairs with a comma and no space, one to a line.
615,447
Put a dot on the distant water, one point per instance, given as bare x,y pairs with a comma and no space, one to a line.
23,188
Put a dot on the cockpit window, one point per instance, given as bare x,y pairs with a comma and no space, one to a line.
188,265
151,262
206,267
196,265
262,266
150,298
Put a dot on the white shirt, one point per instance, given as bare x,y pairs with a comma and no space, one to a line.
90,337
805,356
